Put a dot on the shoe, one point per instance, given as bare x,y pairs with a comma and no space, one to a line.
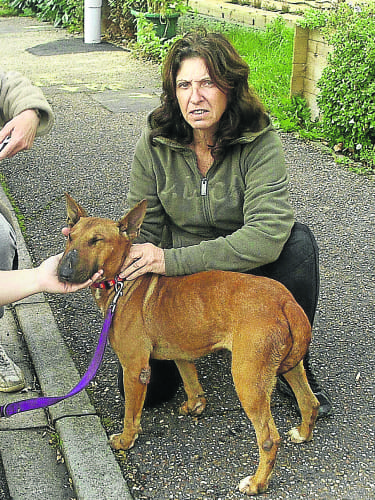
325,409
11,377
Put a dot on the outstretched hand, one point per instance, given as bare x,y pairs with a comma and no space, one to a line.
49,281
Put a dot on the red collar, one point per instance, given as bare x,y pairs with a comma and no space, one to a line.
107,284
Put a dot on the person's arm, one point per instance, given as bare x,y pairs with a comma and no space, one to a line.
143,186
145,255
24,112
18,284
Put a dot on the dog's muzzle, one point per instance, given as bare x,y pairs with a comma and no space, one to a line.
67,266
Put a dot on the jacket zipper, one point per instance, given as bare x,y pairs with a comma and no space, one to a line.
204,186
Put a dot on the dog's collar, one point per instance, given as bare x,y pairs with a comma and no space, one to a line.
107,284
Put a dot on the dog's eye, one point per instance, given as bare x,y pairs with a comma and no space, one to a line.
95,240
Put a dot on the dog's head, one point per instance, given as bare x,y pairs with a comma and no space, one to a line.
95,243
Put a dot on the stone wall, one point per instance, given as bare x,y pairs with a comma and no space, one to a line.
238,13
310,58
258,12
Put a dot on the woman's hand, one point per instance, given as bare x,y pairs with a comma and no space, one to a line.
49,281
143,258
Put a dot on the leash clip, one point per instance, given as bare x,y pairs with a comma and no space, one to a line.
3,411
119,286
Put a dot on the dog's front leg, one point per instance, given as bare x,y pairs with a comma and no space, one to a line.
135,387
196,402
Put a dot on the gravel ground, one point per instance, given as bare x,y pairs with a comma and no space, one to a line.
89,154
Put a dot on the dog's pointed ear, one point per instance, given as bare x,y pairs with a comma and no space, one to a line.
74,211
131,223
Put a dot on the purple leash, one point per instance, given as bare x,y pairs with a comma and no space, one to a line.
42,402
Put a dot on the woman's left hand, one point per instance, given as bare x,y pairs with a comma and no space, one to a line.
143,258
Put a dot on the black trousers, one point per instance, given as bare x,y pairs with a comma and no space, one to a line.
297,268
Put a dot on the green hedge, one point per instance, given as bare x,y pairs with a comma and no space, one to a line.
64,13
347,86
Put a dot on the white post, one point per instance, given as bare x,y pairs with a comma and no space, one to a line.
92,21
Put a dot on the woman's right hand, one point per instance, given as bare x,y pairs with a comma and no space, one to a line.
143,258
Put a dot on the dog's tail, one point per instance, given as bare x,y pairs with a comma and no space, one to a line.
300,333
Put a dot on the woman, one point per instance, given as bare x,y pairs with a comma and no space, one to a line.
212,169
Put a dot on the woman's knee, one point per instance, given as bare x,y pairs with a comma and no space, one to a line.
301,246
298,268
299,252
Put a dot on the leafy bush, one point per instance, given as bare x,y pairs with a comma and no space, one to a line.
6,10
163,7
119,21
24,6
347,85
314,19
64,13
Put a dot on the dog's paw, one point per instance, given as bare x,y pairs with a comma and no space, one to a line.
248,487
194,408
295,436
121,442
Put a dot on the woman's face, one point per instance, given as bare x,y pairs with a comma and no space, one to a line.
201,102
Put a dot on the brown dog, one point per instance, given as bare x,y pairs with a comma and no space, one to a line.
186,317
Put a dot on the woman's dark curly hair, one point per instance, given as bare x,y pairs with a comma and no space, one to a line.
230,73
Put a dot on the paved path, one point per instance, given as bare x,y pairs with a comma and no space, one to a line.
89,154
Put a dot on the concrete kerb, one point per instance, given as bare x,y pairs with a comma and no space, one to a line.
90,462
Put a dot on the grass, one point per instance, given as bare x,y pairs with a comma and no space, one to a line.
269,55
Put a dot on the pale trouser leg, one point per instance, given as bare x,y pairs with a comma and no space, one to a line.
11,376
8,248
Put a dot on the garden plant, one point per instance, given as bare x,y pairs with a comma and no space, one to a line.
347,86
